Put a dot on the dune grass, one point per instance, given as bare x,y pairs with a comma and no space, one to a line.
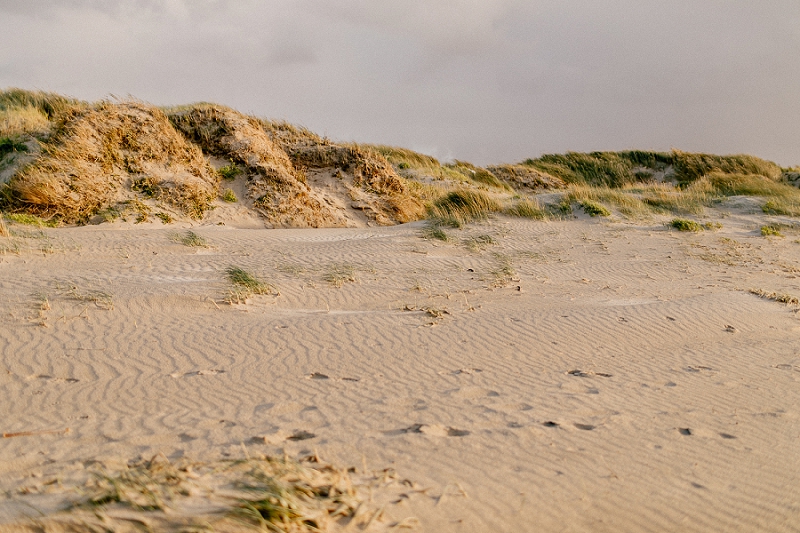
683,224
340,273
460,207
30,220
610,169
771,230
3,228
527,208
245,285
191,239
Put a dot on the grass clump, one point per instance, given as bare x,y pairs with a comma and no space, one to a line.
434,231
460,207
30,220
693,166
594,209
781,206
682,224
610,169
166,218
229,196
10,145
190,238
229,171
339,274
771,230
3,228
245,285
527,209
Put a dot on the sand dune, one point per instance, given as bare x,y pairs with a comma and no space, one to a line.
532,376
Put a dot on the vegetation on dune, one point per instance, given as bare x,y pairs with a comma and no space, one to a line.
682,224
70,161
463,206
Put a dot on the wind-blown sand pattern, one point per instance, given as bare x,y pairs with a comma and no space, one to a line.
553,376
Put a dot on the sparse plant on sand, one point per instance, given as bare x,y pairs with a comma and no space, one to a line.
434,231
190,238
3,228
166,218
229,171
229,196
771,230
245,285
682,224
340,273
776,297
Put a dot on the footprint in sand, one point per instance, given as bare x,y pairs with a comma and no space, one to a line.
727,436
51,379
321,376
435,430
685,431
550,424
588,373
301,435
211,372
584,427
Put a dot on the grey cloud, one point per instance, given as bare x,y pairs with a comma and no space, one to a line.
483,81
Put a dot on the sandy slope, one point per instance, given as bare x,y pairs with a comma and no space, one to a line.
630,384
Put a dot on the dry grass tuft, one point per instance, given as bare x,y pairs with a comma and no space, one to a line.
96,151
245,285
528,209
339,274
776,297
3,228
460,207
190,238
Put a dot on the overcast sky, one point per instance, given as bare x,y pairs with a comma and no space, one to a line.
485,81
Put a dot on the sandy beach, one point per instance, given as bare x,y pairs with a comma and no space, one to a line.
579,375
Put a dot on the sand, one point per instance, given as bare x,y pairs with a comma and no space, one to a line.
572,376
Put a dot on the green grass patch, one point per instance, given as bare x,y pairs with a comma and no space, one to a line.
229,196
166,218
30,220
771,231
9,145
594,209
682,224
229,171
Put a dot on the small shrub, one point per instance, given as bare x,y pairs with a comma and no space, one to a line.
593,209
166,218
712,226
229,196
682,224
229,172
771,231
780,206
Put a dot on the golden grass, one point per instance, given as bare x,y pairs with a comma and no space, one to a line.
3,228
625,200
19,121
96,151
527,209
776,296
692,166
463,206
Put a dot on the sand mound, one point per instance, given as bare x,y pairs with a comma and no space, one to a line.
521,177
102,155
276,188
